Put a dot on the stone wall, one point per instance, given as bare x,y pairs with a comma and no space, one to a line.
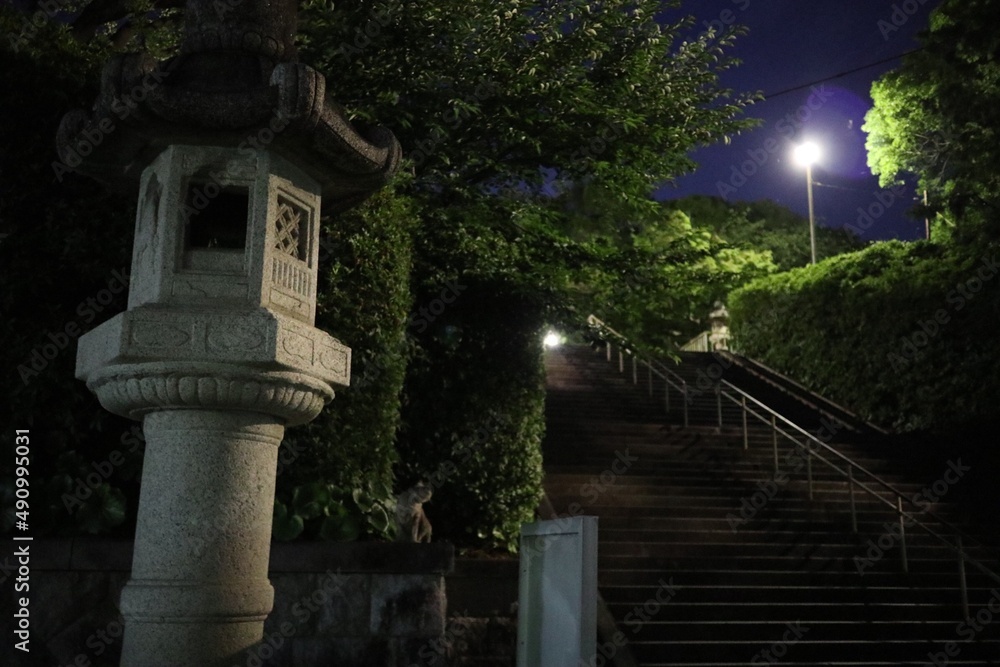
482,615
352,605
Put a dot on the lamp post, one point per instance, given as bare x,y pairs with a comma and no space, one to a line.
807,154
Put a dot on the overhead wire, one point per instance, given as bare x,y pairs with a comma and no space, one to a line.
841,75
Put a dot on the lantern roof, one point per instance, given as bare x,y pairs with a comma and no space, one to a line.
236,82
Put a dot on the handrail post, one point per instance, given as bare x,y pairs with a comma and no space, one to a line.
621,361
809,470
666,395
961,578
746,432
649,378
774,440
635,375
854,511
684,388
902,535
607,349
718,404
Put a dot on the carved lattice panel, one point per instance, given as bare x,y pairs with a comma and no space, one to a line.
291,230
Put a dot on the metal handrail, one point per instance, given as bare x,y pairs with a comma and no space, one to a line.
699,343
771,418
853,465
801,389
653,367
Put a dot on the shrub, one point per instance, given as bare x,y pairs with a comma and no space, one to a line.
364,300
899,331
474,417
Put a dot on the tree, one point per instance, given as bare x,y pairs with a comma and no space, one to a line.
661,273
765,226
496,103
502,104
486,93
938,117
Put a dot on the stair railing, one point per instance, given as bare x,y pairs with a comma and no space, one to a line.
700,343
812,447
670,379
820,403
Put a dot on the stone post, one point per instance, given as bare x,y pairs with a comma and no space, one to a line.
236,151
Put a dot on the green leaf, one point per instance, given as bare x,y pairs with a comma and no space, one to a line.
104,510
340,528
285,526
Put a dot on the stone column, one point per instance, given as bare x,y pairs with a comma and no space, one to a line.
199,591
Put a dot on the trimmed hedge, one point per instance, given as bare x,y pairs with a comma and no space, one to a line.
475,417
364,300
902,333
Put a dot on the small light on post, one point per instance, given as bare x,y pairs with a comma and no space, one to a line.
552,339
808,154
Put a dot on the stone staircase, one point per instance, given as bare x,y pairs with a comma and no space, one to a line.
708,556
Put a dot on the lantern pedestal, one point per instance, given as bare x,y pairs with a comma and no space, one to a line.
199,591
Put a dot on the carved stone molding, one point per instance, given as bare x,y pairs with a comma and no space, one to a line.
132,390
257,338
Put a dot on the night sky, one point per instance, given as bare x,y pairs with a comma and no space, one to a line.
796,42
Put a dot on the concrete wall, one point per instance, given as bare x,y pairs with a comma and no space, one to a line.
355,604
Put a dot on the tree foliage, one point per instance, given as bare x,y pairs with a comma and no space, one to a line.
938,116
660,274
894,331
500,106
765,226
485,93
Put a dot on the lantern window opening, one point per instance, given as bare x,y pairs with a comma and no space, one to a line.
217,222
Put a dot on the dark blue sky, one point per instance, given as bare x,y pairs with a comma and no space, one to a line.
796,42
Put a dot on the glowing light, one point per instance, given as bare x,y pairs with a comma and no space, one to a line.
552,339
807,154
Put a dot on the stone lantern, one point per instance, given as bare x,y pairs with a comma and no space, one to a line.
235,153
719,321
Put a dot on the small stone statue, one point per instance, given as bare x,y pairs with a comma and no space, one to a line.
412,524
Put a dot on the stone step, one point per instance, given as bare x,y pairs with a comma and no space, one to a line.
816,651
752,631
785,558
745,549
781,539
803,562
830,594
775,578
780,612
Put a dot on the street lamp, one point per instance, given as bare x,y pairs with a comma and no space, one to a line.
807,154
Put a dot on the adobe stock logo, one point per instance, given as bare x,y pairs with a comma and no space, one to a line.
901,15
883,202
